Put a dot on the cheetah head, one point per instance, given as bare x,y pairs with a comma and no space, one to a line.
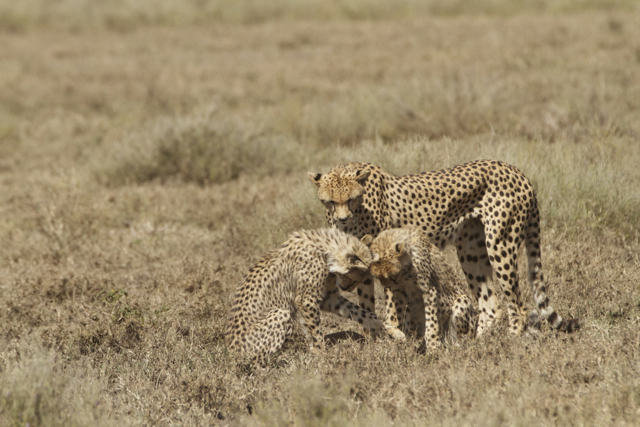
391,249
351,263
341,192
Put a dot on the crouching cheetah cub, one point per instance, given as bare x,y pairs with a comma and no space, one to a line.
409,262
298,280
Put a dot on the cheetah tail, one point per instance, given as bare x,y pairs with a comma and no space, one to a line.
536,280
570,325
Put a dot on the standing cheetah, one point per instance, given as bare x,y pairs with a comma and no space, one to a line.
410,262
489,208
301,277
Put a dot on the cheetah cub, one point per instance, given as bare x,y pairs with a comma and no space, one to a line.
408,261
297,280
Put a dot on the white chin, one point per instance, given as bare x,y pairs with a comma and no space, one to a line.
337,270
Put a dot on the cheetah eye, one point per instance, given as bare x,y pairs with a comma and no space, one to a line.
353,259
328,203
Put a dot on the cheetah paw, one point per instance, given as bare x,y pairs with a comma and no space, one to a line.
395,333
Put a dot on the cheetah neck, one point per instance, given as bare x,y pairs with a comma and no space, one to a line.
392,196
372,216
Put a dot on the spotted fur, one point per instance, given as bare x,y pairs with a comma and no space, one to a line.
408,261
487,207
298,279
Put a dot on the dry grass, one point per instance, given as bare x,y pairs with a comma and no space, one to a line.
127,15
146,162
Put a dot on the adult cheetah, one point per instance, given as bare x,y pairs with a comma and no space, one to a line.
489,208
410,262
300,278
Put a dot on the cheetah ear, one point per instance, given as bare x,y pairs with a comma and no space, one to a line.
361,175
367,239
400,248
315,177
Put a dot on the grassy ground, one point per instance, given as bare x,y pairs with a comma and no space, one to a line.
147,162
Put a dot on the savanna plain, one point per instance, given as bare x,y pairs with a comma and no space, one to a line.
151,152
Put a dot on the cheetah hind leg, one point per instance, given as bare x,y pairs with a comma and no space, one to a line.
267,336
472,253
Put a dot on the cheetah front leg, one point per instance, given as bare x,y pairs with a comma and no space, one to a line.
309,309
416,308
366,295
366,298
397,310
335,303
431,324
463,316
394,297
